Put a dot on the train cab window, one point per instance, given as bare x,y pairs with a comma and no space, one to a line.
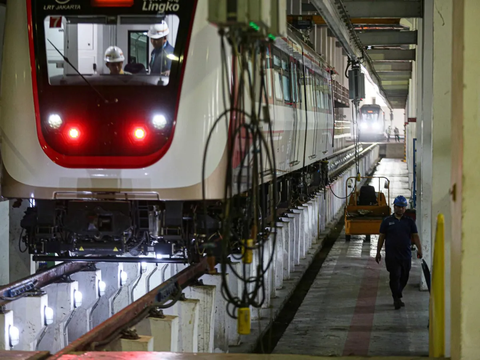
121,115
277,65
93,43
138,47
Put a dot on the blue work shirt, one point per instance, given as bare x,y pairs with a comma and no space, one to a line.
398,235
159,62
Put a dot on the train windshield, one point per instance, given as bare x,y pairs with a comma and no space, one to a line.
107,78
110,50
370,115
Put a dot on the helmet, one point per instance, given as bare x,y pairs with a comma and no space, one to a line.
114,54
158,31
400,201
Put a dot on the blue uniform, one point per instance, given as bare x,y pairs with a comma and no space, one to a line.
398,256
159,62
398,235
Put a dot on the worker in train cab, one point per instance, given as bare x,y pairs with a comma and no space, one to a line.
397,231
162,53
114,59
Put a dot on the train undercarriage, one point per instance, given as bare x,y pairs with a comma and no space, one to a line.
159,230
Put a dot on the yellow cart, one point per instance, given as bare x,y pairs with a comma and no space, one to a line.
366,208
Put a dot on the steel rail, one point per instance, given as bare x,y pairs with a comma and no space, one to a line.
17,289
136,311
350,162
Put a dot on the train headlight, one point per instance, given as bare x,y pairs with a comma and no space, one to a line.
48,314
159,122
55,121
13,335
363,125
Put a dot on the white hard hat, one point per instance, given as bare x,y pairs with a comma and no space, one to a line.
114,54
158,31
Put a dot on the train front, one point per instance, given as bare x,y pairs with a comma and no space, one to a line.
371,126
91,94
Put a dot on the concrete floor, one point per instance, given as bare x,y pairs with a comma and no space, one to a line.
349,308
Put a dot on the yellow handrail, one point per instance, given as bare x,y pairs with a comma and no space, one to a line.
437,295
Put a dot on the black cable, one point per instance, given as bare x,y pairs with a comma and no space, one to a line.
20,243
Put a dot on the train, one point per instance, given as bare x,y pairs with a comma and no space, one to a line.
371,123
113,164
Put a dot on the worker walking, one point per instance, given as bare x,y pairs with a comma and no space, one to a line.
397,231
389,132
397,134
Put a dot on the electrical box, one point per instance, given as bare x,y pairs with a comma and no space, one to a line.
356,84
278,26
228,12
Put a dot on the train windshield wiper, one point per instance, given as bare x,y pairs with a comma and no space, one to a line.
78,72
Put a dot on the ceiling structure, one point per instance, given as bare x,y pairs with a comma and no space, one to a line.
372,30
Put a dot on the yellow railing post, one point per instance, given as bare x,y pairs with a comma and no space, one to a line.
437,295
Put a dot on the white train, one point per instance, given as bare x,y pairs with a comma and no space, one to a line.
114,162
371,124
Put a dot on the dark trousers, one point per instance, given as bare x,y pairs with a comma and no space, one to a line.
399,271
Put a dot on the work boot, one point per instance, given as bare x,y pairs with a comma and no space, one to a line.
397,303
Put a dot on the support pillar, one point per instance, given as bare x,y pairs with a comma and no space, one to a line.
425,157
88,284
442,109
465,250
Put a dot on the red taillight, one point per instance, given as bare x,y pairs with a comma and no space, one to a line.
139,133
73,133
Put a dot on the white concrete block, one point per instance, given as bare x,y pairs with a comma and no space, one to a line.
279,256
110,275
144,343
220,340
188,325
153,277
206,318
61,298
296,237
29,318
287,247
6,321
88,285
268,274
164,332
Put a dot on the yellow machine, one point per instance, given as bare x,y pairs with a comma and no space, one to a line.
365,208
